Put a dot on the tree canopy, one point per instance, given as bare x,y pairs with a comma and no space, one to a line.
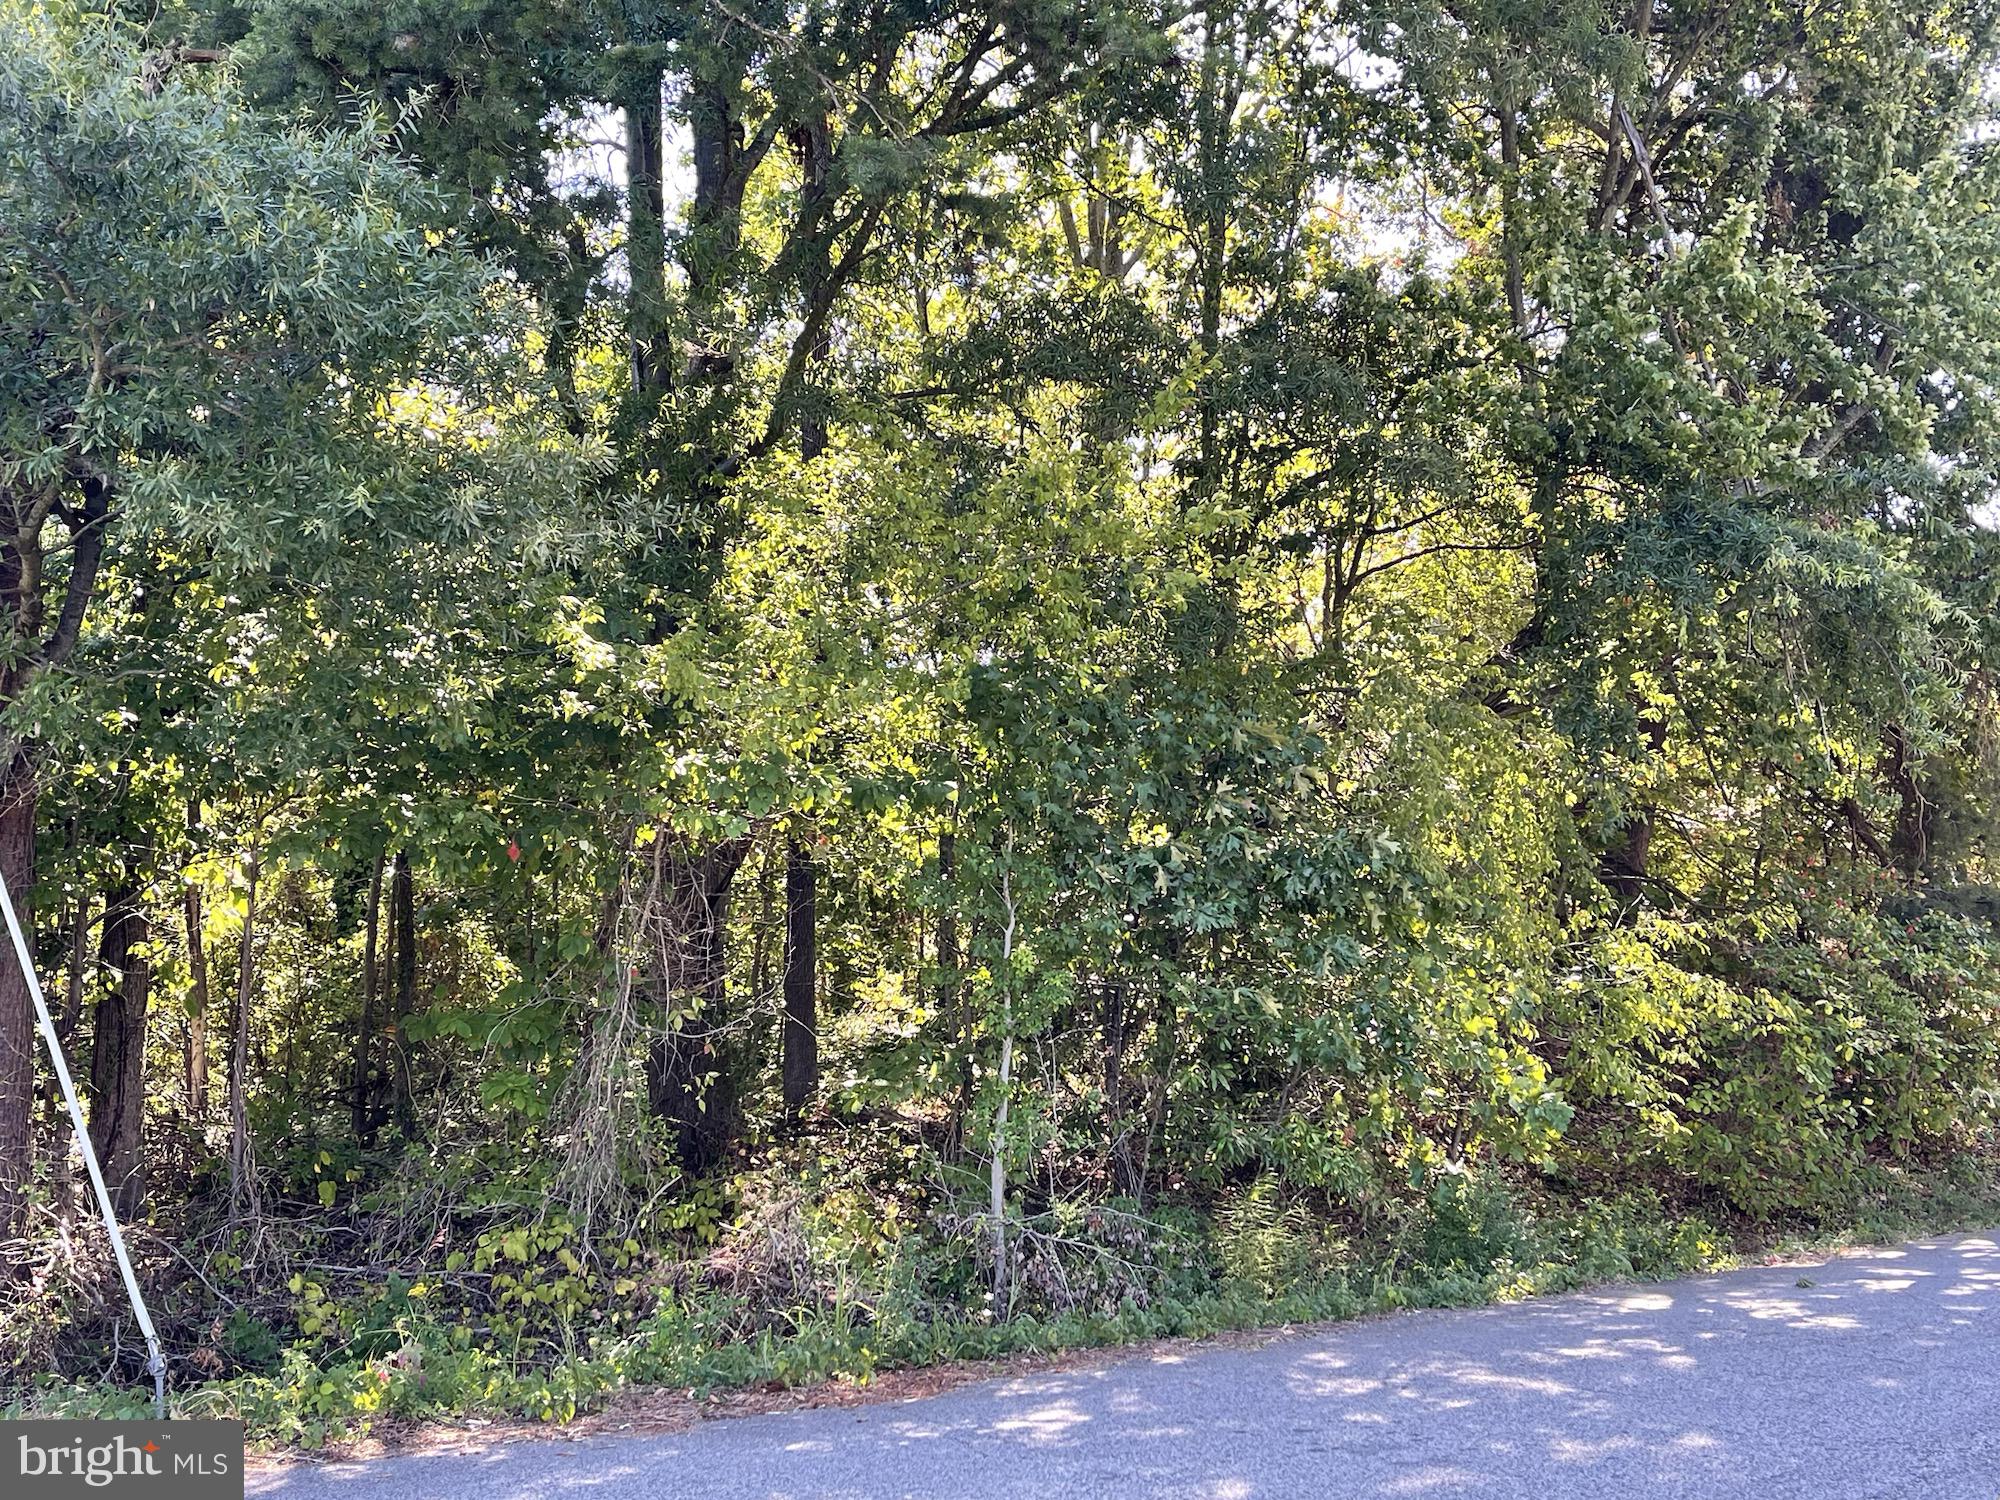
700,673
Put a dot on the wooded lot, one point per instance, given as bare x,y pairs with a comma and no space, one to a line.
697,692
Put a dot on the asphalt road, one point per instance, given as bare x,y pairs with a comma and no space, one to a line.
1879,1378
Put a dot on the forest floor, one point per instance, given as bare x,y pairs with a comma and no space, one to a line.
1678,1388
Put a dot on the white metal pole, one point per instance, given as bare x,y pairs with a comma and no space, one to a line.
157,1363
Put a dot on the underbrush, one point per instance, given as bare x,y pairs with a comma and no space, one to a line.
791,1279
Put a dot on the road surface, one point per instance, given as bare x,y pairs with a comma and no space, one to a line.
1875,1375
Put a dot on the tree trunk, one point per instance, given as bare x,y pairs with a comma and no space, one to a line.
691,1070
78,983
403,924
801,1041
23,615
118,1047
1165,1053
197,946
74,989
1118,1027
242,1178
645,238
364,1040
197,1036
1215,106
800,1066
813,141
1910,841
951,997
998,1181
761,982
714,220
1622,867
17,1005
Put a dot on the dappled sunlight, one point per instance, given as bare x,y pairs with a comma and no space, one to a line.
1339,1385
1588,1351
1696,1440
1573,1450
1795,1312
1045,1424
1493,1378
1433,1481
908,1432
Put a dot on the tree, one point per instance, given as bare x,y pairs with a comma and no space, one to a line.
806,133
1263,623
222,340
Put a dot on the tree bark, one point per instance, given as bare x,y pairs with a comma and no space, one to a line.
813,141
74,989
997,1183
715,218
1622,867
645,237
952,1000
1118,1028
1217,93
17,1006
403,924
197,946
118,1047
197,1036
364,1040
801,1039
23,616
1910,840
691,1070
242,1178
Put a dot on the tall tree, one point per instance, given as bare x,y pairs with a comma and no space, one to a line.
728,359
211,335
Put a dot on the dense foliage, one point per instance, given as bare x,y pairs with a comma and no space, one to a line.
713,690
